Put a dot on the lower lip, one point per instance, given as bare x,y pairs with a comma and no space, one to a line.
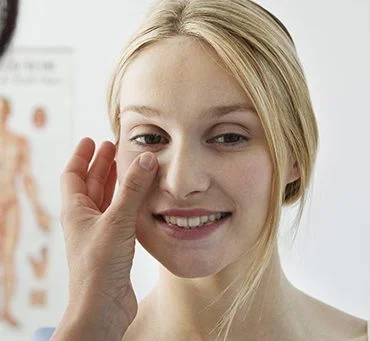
191,234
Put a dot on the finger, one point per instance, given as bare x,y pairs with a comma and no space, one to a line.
132,190
99,171
74,175
109,187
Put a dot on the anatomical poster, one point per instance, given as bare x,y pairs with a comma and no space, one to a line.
35,139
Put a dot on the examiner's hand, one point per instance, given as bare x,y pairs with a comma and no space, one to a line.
100,232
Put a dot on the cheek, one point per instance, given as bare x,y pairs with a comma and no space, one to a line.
250,180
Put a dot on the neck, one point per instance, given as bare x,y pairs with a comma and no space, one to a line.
184,305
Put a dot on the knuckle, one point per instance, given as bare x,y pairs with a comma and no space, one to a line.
97,178
68,172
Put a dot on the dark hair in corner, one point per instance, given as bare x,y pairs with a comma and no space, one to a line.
8,20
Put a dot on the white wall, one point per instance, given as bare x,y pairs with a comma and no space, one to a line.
331,258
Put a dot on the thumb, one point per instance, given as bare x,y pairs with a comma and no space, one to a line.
133,188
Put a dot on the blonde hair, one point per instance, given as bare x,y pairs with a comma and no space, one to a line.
258,51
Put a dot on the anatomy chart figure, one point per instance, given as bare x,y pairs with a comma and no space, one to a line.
14,165
39,265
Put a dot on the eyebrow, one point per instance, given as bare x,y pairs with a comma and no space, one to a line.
212,112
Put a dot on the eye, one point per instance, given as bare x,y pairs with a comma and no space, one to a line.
229,139
148,139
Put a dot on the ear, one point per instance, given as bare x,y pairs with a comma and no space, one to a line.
293,174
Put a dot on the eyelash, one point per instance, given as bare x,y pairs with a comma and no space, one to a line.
158,135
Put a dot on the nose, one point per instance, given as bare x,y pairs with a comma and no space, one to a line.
183,171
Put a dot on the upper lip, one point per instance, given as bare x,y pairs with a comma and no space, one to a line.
198,212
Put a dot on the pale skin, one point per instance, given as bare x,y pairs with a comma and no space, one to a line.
196,167
14,163
194,173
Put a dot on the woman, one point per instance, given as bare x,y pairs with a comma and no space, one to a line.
215,92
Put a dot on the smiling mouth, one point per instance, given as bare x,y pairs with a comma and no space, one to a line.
193,222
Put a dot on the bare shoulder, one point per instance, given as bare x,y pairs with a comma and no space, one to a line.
334,324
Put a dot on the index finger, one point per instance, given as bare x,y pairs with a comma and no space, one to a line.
73,179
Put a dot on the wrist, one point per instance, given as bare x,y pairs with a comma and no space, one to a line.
89,321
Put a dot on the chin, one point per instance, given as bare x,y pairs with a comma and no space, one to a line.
174,263
188,271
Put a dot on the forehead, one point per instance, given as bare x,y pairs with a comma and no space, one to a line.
179,72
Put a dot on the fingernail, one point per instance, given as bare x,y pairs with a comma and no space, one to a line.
147,161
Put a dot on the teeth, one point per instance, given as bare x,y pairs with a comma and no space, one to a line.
193,222
182,222
203,219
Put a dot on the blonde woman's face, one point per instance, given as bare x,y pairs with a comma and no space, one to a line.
209,158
